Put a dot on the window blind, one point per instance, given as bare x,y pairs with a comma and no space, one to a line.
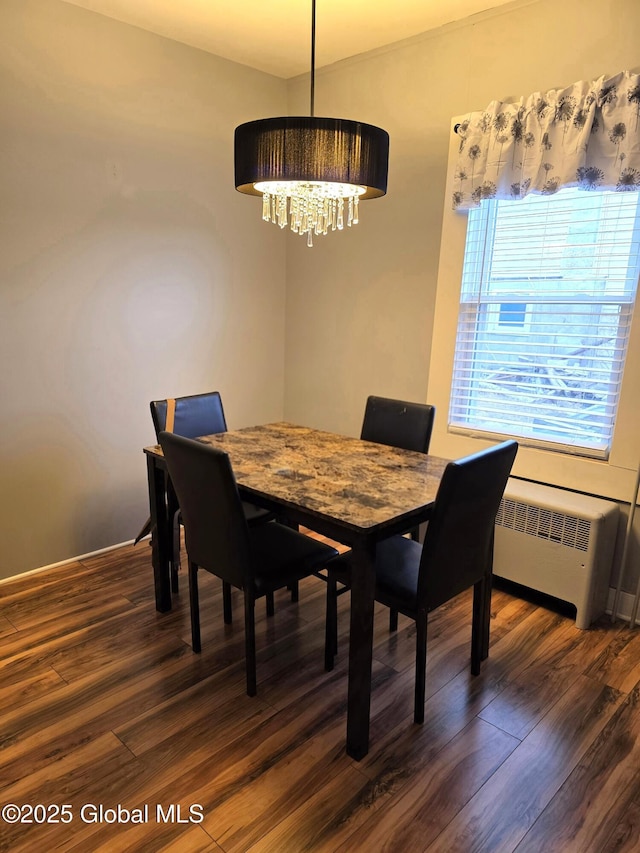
547,298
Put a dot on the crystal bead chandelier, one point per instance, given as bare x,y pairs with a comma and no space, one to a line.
311,172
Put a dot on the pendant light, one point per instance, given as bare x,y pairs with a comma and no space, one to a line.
307,168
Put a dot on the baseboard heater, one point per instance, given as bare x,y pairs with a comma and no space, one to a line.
557,542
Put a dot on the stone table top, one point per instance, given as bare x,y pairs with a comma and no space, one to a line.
360,483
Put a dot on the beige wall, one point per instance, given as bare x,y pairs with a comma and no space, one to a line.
130,268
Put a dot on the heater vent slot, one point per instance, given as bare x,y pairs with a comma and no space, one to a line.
556,526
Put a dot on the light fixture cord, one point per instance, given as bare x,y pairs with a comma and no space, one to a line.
313,55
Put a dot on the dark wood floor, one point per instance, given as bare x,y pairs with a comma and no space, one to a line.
103,702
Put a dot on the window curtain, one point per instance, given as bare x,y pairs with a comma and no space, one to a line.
585,136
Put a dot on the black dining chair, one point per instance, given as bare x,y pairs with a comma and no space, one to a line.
457,554
258,559
396,423
191,417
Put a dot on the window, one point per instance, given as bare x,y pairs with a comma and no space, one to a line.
512,315
547,297
508,316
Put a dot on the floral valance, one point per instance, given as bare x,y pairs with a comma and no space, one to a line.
586,136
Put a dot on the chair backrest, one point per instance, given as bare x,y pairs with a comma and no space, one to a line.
216,533
191,417
398,424
458,543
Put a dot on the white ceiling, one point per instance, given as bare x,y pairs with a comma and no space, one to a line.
275,35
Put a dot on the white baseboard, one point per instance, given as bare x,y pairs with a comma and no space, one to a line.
625,606
77,559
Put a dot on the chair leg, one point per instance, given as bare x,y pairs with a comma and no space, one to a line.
175,558
476,628
270,604
480,623
421,667
293,588
393,614
486,615
331,624
393,619
486,610
145,531
194,607
250,642
174,515
226,603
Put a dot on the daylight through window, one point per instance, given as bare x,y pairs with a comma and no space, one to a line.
548,289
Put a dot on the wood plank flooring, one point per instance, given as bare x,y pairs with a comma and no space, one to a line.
103,704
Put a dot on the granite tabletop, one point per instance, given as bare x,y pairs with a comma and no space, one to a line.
359,482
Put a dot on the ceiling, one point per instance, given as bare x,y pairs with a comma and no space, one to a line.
274,35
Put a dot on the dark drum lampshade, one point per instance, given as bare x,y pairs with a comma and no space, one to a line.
311,149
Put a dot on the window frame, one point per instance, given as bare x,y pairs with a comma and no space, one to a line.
612,478
550,284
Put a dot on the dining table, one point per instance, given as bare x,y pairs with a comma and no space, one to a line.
352,491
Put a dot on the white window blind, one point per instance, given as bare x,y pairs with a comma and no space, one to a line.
547,297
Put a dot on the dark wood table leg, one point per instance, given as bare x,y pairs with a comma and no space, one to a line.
292,587
160,534
360,650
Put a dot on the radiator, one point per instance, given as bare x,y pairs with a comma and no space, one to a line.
557,542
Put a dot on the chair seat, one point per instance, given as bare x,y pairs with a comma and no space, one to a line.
397,568
282,555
